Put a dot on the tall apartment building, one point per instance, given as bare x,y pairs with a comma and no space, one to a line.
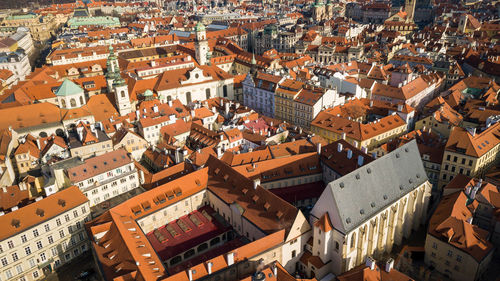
17,62
462,229
286,92
470,153
309,103
39,237
348,228
258,92
106,176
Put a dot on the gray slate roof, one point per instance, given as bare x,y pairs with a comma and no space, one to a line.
369,189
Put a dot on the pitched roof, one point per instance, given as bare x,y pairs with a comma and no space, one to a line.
324,223
38,212
387,179
462,141
68,88
99,164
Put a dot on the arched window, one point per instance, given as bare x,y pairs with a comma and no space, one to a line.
72,102
188,97
202,247
175,260
353,240
169,98
337,246
214,241
123,93
224,90
81,101
63,103
207,91
189,254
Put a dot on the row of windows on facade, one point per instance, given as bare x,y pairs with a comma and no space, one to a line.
24,237
36,274
109,174
106,196
113,184
39,245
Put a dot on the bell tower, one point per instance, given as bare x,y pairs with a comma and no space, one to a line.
201,44
410,9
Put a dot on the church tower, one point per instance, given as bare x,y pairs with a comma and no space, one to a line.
410,9
122,99
318,10
112,67
201,44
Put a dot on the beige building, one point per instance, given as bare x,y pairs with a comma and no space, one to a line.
106,176
130,141
348,227
38,238
369,135
455,246
470,153
42,28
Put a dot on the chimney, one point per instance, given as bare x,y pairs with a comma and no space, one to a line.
219,152
230,259
169,103
343,136
400,107
256,182
389,264
137,114
469,220
355,143
370,263
38,143
339,147
360,160
467,190
190,275
374,155
141,176
364,149
193,113
319,148
349,153
371,103
209,267
275,270
473,193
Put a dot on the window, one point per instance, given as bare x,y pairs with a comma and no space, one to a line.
51,240
10,244
75,213
32,262
35,274
27,250
61,233
84,210
54,251
434,245
294,253
70,229
455,159
39,245
19,268
43,257
14,257
353,240
450,253
433,254
23,238
4,262
8,273
47,227
459,258
72,102
66,217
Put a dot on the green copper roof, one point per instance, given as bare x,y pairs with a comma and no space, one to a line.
148,93
68,88
199,27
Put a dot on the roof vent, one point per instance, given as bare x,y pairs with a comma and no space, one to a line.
362,211
397,155
348,220
385,197
401,187
61,202
40,212
16,223
341,185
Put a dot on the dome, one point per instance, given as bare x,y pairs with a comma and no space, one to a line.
199,27
148,93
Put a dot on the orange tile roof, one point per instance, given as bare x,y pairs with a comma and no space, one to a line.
364,273
324,223
29,216
462,141
449,223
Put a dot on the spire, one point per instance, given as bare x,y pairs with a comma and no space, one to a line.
253,69
254,61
